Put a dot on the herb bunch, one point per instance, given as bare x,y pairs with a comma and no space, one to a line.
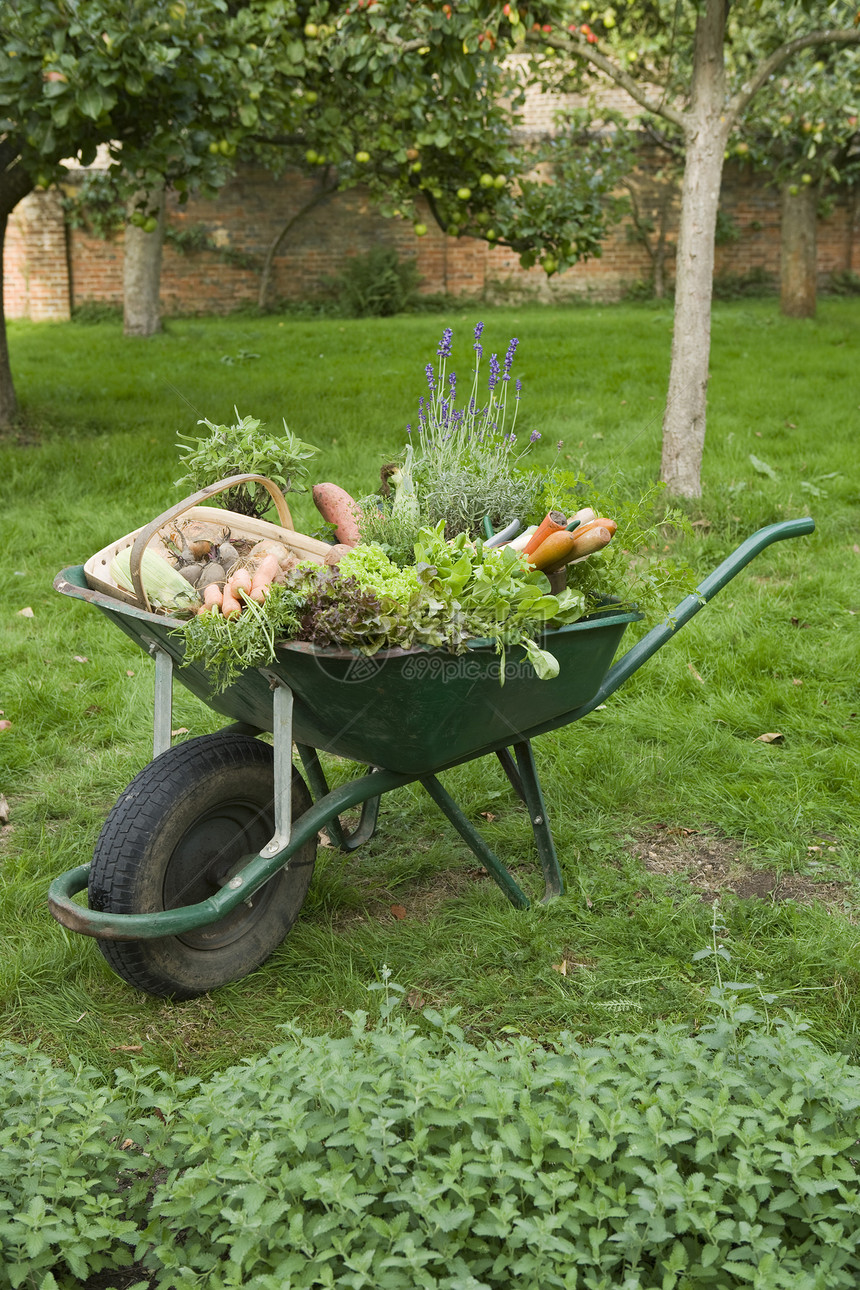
467,461
225,647
244,448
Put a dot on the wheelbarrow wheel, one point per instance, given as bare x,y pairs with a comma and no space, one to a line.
174,838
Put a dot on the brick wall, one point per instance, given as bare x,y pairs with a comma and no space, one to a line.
35,260
47,268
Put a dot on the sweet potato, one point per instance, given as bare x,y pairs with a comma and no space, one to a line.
335,505
337,552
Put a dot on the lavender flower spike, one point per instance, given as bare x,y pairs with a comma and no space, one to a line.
534,436
431,379
495,371
509,359
444,350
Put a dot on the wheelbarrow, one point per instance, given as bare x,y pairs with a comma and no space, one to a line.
205,860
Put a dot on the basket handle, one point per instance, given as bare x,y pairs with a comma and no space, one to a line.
145,536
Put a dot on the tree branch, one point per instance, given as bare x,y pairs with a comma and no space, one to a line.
588,54
328,185
741,100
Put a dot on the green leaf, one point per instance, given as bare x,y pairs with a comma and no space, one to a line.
762,468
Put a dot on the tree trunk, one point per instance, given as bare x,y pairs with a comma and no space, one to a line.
706,132
8,402
141,271
798,260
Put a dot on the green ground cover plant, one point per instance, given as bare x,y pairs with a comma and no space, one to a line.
659,803
402,1153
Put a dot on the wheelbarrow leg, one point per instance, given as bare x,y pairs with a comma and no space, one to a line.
532,795
366,826
472,837
162,712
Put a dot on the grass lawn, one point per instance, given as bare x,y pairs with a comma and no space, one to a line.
659,803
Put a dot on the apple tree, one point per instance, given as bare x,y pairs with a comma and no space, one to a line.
802,136
149,79
176,90
694,67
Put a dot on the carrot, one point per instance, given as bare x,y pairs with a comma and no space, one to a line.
230,606
263,578
588,525
553,522
335,505
212,597
554,551
562,547
595,539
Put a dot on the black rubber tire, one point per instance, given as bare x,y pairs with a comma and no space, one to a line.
172,839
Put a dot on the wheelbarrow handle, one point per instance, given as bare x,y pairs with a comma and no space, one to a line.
145,536
690,605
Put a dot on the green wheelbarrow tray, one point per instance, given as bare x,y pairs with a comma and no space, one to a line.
406,714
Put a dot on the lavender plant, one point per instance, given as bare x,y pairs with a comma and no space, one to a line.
468,463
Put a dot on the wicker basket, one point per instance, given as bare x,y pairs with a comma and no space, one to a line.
97,568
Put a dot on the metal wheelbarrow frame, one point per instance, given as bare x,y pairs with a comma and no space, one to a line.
334,700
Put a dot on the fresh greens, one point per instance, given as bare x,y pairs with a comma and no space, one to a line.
225,647
372,569
455,593
244,449
494,594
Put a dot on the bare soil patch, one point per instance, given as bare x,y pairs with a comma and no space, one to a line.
419,901
713,865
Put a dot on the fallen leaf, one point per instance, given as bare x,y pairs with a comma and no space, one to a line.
80,658
181,730
398,911
4,810
791,425
588,903
26,613
560,967
488,815
694,673
416,1001
762,467
324,839
129,672
856,549
795,680
795,622
772,737
5,724
128,1048
128,1142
